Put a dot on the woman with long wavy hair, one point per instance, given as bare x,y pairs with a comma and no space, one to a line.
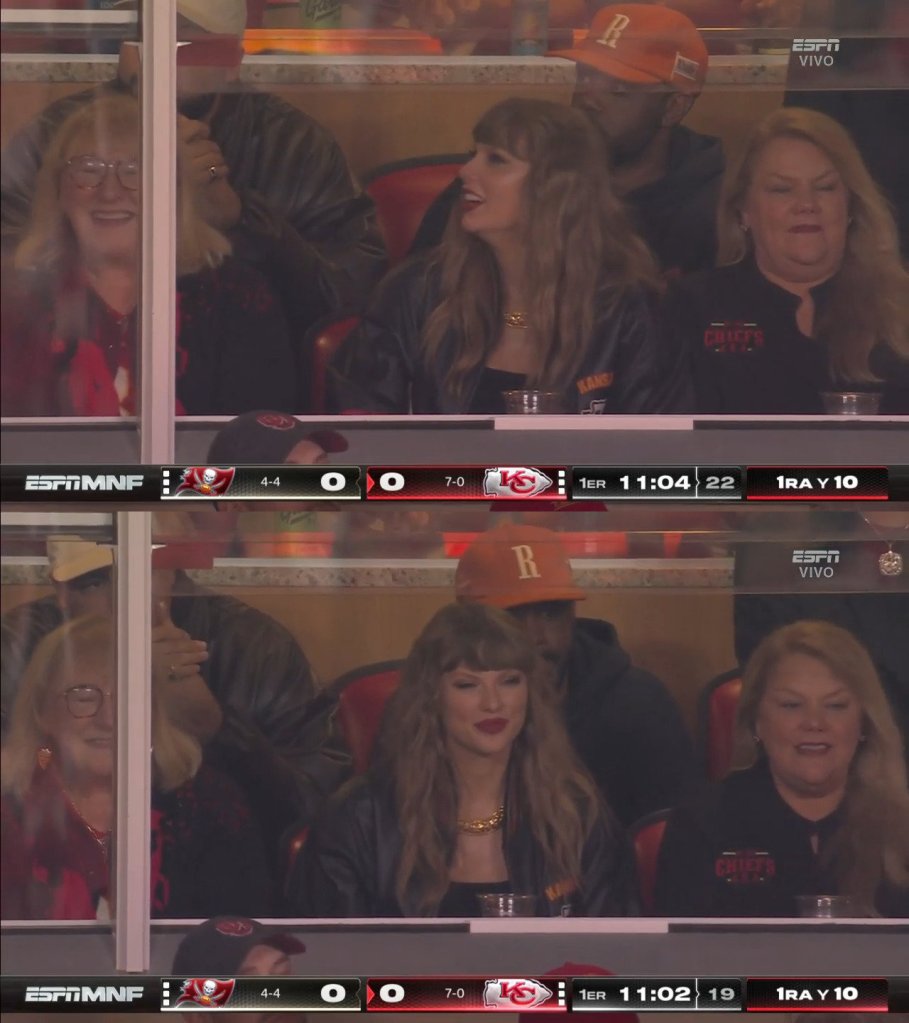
540,283
58,804
475,790
71,308
816,802
811,294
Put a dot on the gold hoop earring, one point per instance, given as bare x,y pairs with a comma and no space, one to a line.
44,756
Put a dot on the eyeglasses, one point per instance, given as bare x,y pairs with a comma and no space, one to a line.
84,701
90,171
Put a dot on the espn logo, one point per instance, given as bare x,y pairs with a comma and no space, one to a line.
815,46
83,993
80,481
818,557
816,564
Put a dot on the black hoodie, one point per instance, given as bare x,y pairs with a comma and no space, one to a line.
676,216
625,726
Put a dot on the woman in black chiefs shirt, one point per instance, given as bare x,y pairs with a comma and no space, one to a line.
817,802
812,296
70,313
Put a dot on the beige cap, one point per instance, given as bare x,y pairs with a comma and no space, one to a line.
220,17
69,557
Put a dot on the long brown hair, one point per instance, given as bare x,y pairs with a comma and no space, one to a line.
869,301
873,840
546,788
582,254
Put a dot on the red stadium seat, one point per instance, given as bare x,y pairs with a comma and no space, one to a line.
325,341
716,722
362,695
647,835
403,191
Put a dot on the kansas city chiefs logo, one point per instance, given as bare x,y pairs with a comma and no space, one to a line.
515,993
515,481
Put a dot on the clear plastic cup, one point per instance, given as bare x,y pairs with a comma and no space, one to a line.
533,403
851,403
825,907
507,904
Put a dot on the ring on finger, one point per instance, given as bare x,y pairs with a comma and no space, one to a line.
172,673
213,173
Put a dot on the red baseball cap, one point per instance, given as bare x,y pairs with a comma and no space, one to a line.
643,44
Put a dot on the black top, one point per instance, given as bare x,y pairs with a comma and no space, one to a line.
488,398
625,726
747,355
461,898
739,849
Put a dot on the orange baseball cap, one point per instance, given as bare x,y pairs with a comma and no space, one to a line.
643,44
513,565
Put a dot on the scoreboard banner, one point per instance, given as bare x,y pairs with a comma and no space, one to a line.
144,484
455,994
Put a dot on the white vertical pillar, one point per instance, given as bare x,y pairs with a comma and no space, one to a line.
159,189
132,845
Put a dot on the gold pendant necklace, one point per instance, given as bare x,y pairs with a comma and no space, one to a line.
101,837
482,825
516,319
890,563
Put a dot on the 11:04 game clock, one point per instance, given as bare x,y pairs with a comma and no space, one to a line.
646,482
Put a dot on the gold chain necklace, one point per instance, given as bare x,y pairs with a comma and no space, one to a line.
516,319
101,837
482,825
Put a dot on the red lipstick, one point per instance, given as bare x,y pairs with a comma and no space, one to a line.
492,726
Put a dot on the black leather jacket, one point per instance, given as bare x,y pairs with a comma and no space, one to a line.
305,222
348,865
379,368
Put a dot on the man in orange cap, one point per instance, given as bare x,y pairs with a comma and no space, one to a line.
624,725
639,70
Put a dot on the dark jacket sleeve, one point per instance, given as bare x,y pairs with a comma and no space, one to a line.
609,884
304,218
373,371
684,883
278,740
658,757
237,344
650,378
223,867
334,874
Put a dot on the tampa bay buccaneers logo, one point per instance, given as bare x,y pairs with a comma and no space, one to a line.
205,481
206,992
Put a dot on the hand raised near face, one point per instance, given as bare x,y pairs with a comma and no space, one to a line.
204,170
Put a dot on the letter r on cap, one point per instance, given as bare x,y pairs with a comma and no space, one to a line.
614,30
527,567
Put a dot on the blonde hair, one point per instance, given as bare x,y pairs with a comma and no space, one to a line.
176,756
873,841
582,252
48,243
546,788
869,301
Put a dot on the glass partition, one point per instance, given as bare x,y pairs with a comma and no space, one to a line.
277,637
317,145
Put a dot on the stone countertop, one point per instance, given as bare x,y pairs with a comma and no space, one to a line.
289,69
362,573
